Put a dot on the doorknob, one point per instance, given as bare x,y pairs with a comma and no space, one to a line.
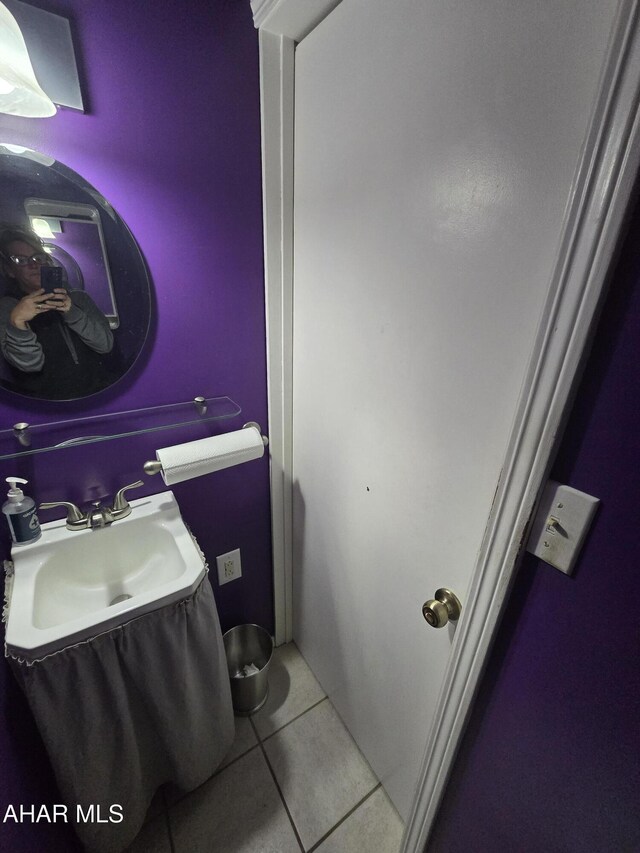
445,607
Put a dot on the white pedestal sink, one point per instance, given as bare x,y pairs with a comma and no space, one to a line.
72,585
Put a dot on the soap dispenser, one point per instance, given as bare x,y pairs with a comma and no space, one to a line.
21,514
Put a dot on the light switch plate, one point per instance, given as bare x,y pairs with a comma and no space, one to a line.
562,521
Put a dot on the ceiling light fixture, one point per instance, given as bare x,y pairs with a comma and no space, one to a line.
20,92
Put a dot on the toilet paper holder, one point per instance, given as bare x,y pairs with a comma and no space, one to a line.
155,466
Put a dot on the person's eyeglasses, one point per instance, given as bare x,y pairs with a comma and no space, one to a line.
39,258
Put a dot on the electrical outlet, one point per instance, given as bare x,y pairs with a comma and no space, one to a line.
229,566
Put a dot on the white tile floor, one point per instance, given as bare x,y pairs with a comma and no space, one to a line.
293,782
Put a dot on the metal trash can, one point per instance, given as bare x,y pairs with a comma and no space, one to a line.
248,649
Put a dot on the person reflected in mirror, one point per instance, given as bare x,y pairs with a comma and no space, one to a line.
53,342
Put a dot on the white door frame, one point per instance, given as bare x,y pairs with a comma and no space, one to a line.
592,225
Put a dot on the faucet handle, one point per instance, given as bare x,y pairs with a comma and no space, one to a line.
120,503
75,517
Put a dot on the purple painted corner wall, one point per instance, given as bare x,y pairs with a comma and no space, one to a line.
171,138
549,761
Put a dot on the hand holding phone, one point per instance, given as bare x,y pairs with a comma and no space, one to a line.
50,278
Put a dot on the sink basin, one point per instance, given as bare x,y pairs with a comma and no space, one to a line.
71,585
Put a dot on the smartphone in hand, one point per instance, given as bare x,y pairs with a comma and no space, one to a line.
50,278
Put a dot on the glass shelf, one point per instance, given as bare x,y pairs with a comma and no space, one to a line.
27,439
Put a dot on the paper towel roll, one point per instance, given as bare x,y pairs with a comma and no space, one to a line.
206,455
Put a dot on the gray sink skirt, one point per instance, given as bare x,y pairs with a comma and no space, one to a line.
145,704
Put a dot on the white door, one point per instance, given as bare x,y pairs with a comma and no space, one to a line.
436,143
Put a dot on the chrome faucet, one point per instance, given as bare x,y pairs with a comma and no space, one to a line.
98,516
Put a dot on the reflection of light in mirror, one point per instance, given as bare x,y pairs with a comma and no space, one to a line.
28,154
46,228
5,87
41,227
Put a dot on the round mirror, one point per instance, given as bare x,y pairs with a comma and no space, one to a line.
74,288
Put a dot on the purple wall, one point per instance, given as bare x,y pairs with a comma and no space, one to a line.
172,139
550,758
82,241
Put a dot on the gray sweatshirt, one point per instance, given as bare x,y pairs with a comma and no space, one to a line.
21,348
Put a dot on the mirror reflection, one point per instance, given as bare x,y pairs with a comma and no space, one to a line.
73,236
74,292
51,337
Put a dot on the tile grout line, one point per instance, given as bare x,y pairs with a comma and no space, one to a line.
288,723
259,742
344,818
215,773
275,781
220,770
